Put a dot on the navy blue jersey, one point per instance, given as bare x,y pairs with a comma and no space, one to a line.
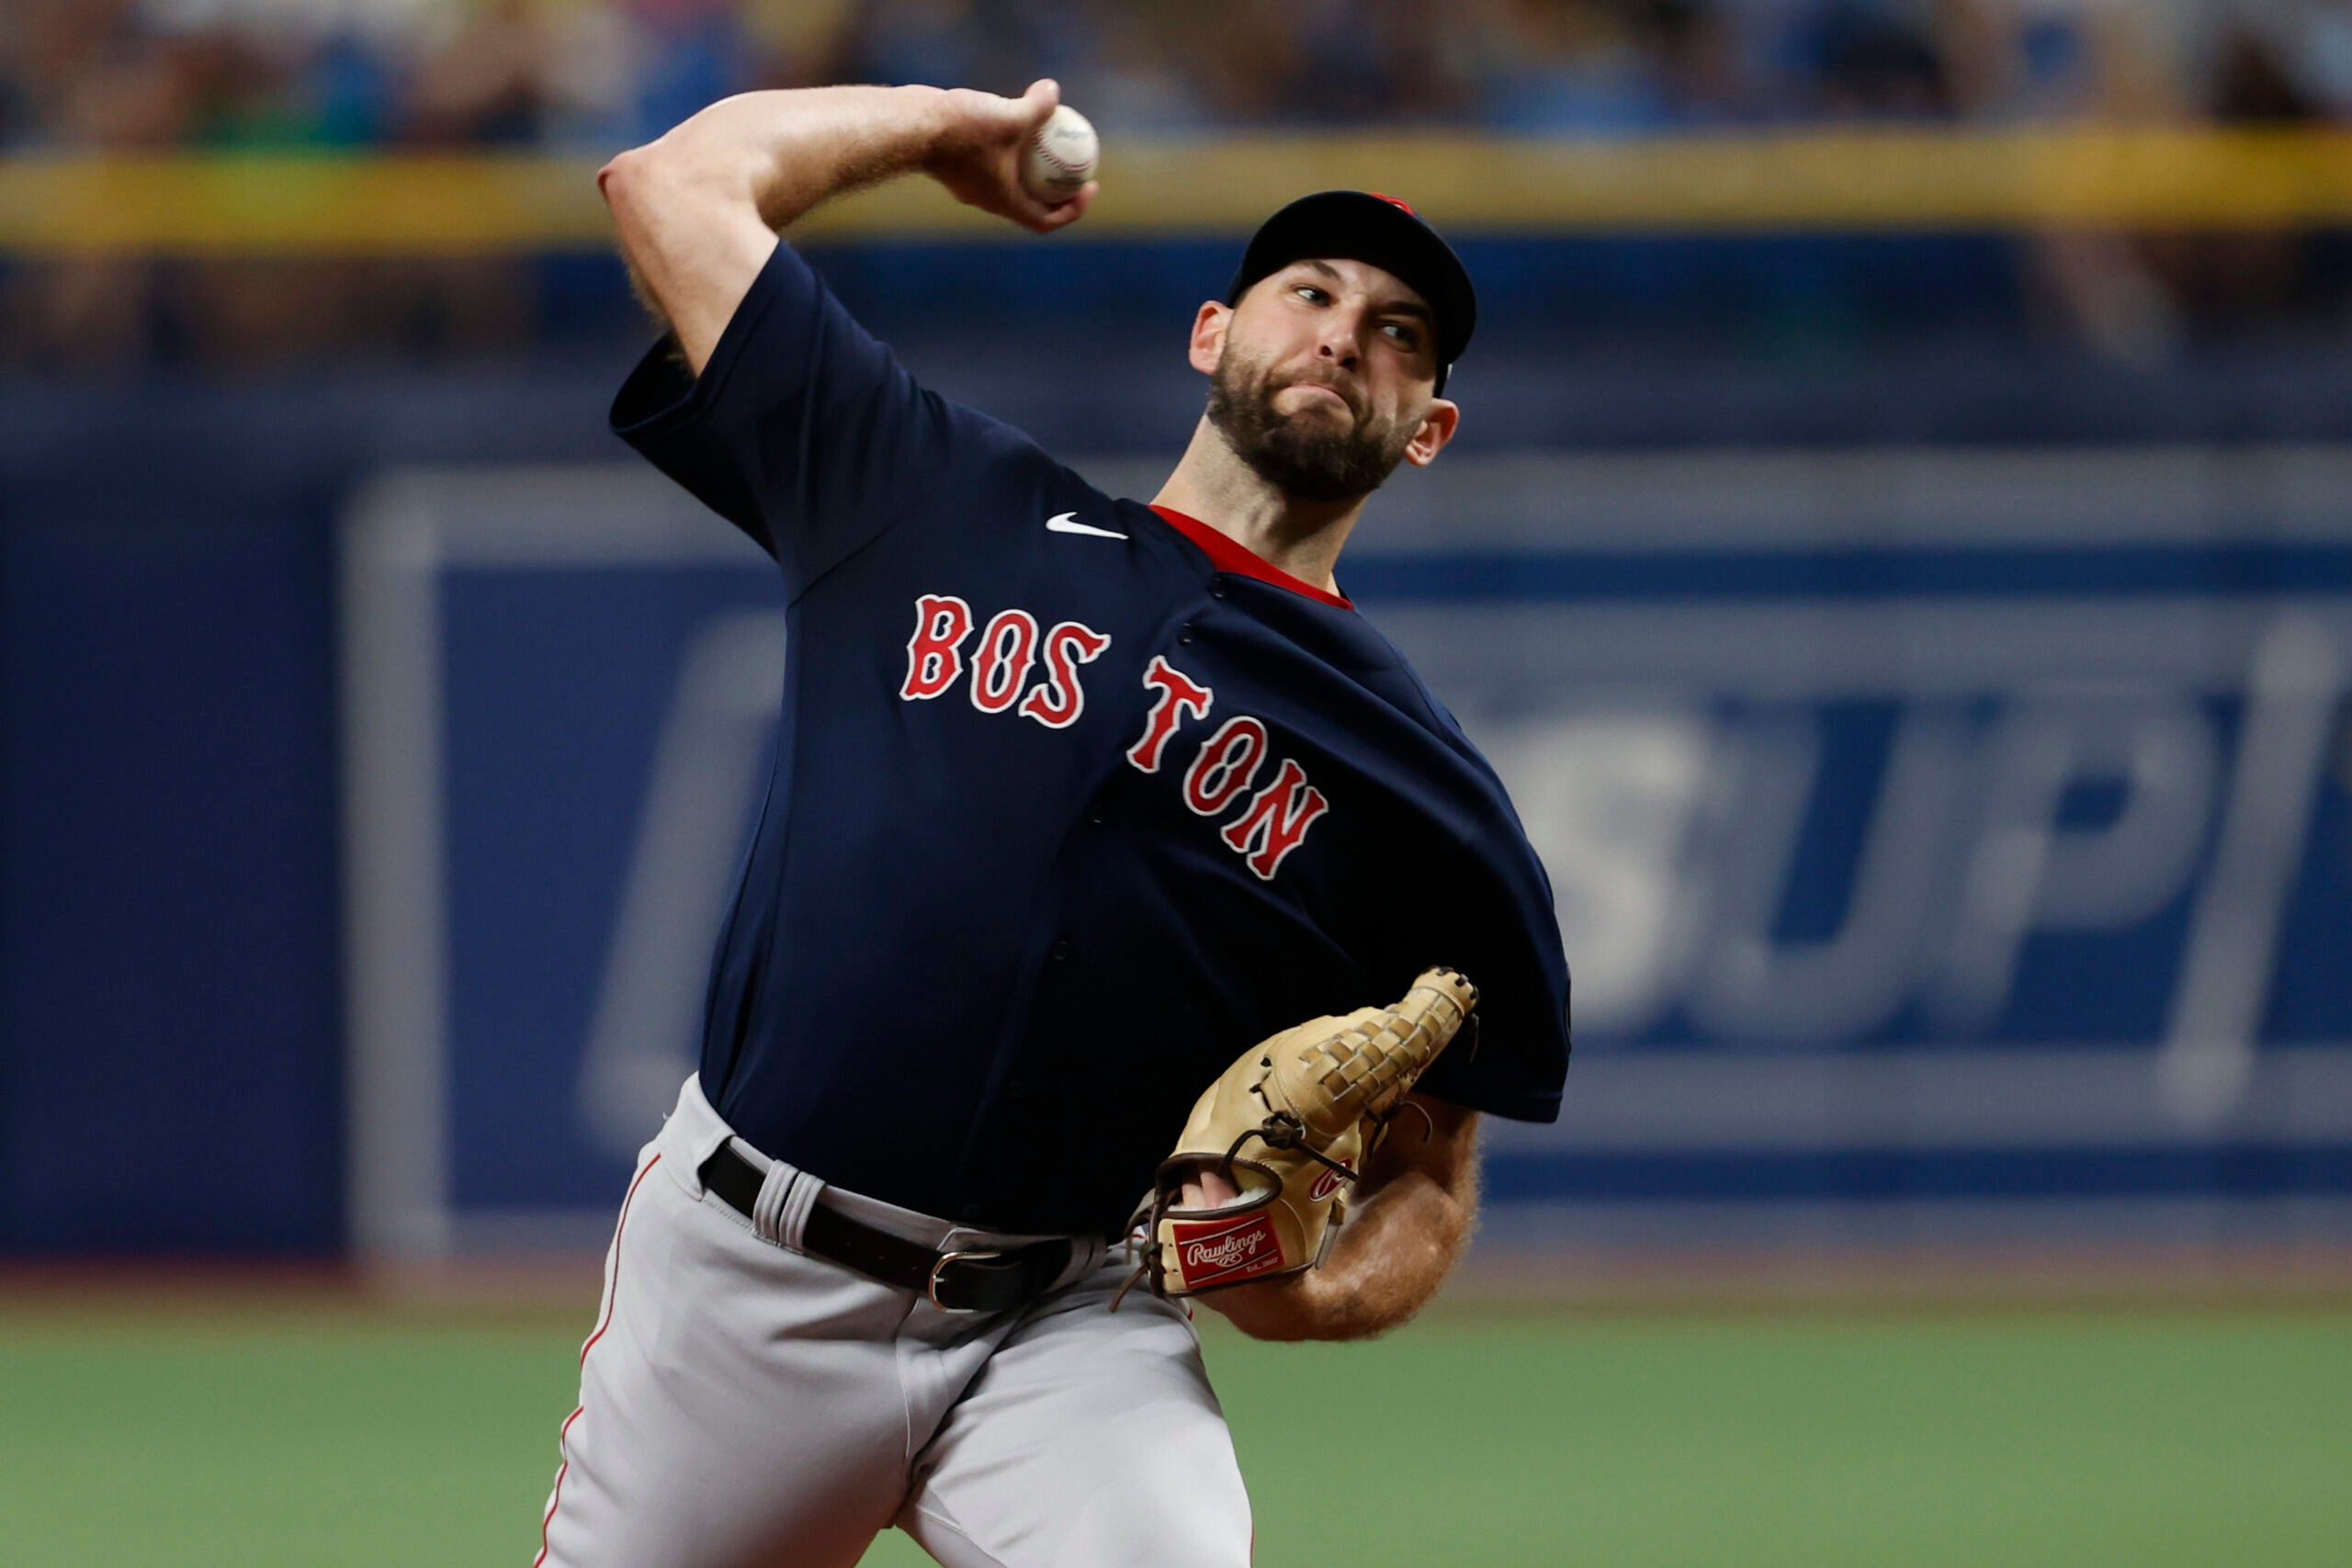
1073,800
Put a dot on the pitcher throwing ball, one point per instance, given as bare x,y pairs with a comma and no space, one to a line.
1085,961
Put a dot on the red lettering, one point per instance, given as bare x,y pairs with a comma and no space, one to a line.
1215,1252
1277,819
1178,695
1227,762
1058,700
1001,664
942,623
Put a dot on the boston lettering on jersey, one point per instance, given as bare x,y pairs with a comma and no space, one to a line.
1073,800
1226,765
1008,645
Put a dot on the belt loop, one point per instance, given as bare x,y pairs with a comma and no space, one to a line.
774,1214
1085,1253
793,1224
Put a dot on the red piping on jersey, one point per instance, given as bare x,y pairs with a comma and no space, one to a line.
1231,554
612,1293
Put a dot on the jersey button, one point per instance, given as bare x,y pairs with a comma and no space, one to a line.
1062,950
1015,1088
1216,588
1185,632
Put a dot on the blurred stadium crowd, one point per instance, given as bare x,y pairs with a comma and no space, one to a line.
595,73
586,76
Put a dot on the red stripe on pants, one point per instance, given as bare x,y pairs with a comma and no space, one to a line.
612,1300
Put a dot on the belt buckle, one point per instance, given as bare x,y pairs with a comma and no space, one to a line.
931,1286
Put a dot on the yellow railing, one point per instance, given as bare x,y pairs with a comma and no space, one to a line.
1820,181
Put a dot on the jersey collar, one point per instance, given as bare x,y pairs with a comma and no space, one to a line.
1231,555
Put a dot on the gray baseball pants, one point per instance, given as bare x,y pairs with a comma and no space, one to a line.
743,1404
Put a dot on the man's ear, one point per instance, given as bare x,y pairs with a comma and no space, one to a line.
1208,336
1437,428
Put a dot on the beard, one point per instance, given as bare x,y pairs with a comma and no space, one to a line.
1295,452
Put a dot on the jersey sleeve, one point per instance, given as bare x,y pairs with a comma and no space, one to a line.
802,429
1516,1062
1494,921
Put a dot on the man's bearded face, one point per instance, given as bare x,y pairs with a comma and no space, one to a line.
1309,454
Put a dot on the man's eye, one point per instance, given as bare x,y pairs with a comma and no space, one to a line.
1408,336
1311,294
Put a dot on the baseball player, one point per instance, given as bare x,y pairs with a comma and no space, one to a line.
1081,807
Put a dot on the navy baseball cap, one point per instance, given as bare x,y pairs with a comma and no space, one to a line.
1379,230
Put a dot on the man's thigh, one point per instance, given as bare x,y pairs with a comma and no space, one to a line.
1090,1438
739,1404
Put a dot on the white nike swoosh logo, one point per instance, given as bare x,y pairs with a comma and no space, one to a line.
1067,522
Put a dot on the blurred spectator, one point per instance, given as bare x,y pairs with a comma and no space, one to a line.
796,43
1139,81
591,76
1566,68
2246,278
2252,86
593,72
1879,61
485,83
1698,61
2107,62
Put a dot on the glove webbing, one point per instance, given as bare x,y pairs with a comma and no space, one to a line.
1362,1070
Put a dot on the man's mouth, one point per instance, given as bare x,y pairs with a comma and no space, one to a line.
1328,391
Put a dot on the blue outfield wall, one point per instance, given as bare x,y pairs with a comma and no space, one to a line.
1898,895
169,1010
171,1007
172,994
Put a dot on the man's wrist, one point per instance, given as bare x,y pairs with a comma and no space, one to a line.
932,115
1296,1306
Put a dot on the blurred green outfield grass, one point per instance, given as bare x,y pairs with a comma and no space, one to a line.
2160,1439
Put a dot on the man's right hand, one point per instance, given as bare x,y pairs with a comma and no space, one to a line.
977,156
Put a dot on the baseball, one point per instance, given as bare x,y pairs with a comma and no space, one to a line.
1060,157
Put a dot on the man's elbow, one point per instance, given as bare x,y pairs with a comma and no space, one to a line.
668,196
624,180
657,184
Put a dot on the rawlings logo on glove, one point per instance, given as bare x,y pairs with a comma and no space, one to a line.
1286,1128
1218,1252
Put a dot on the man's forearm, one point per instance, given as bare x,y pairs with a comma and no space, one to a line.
1397,1246
785,152
1385,1263
698,209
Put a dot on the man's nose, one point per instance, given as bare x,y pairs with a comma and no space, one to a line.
1339,348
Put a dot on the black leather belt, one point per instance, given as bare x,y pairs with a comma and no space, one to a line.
953,1281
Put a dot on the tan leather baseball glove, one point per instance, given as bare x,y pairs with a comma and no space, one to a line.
1288,1127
